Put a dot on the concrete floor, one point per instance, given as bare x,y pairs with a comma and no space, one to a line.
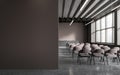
68,66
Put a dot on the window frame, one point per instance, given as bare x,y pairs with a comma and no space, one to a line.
106,28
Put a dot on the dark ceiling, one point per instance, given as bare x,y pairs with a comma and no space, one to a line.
84,10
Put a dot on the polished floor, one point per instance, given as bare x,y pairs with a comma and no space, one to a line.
68,66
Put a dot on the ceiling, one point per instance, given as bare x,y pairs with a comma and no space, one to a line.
84,10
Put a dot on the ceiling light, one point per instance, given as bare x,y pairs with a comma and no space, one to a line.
105,8
71,22
89,8
83,6
103,3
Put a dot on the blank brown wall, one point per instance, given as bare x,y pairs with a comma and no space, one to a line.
28,34
75,32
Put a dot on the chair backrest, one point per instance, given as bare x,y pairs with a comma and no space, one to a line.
114,50
80,47
101,46
95,47
87,49
72,46
99,51
77,44
106,48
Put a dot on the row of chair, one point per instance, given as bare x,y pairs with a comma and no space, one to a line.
91,51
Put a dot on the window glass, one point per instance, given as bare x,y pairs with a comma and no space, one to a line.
98,36
109,20
103,29
118,36
93,27
109,36
98,25
103,36
93,37
103,23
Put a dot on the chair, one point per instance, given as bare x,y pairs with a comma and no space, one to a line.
112,53
95,47
77,48
99,53
85,52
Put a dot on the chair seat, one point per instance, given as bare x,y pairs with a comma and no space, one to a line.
84,54
110,55
76,51
98,54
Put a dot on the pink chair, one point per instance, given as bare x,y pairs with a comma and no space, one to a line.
85,52
99,53
112,53
77,49
95,47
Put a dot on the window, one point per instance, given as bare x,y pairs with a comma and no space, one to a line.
109,20
98,36
109,35
104,30
98,25
103,36
103,23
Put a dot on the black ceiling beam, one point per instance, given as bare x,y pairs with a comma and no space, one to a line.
86,8
72,4
80,5
63,8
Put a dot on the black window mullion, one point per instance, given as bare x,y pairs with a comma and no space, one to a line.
115,28
100,31
105,30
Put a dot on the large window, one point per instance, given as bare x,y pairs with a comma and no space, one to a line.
103,29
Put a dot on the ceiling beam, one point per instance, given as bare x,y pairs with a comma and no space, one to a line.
72,4
82,8
80,5
60,8
67,7
75,6
104,8
90,7
102,4
63,8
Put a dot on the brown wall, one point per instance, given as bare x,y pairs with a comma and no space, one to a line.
28,34
75,32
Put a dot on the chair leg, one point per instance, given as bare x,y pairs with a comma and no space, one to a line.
103,60
88,60
94,60
72,54
91,60
117,60
113,59
78,59
107,60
